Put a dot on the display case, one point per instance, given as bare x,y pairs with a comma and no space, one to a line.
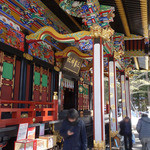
41,144
22,142
26,144
50,140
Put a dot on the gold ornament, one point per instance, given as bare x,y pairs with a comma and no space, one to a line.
99,145
81,79
27,56
98,31
112,85
112,106
80,89
113,133
57,68
118,54
122,82
113,120
124,116
123,100
55,97
24,115
33,119
127,71
124,108
111,95
59,138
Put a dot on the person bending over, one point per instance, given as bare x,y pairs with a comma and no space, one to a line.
73,131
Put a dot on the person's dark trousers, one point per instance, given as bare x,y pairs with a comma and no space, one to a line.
128,138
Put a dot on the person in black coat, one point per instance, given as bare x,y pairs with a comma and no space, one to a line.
73,131
126,131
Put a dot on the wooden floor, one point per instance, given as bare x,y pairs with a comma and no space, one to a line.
138,145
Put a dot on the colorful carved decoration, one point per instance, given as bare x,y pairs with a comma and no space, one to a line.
4,7
88,67
120,64
118,55
105,64
42,51
27,56
9,22
96,31
128,70
10,36
108,47
32,14
83,96
65,53
99,145
52,20
91,12
29,11
86,45
80,95
146,40
118,39
46,31
133,37
85,75
113,133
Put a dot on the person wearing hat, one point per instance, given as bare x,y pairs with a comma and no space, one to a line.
143,128
126,131
73,131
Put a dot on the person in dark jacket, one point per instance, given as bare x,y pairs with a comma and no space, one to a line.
73,131
143,128
126,131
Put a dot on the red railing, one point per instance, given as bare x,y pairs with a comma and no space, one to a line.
18,114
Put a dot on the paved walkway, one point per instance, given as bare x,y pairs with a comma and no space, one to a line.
138,145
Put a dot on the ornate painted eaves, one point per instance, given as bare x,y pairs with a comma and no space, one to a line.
68,50
46,31
96,31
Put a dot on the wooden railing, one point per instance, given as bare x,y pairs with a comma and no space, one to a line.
48,112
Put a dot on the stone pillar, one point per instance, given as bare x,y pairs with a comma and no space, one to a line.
98,94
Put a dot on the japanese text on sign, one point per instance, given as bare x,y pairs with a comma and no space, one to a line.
73,63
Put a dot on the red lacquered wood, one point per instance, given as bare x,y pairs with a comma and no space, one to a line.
32,118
